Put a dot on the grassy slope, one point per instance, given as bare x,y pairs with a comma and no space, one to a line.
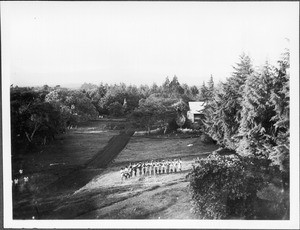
107,197
92,193
68,152
147,148
161,196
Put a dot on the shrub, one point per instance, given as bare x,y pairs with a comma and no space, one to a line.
188,124
172,125
223,187
225,151
274,203
204,138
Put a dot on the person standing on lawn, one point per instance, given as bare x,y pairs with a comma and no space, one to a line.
179,165
134,169
130,170
151,168
147,168
122,173
155,167
175,165
163,166
171,166
144,168
140,168
159,167
168,166
126,172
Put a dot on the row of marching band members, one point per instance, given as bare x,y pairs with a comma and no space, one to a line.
151,168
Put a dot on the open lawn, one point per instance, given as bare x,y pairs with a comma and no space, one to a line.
78,176
155,148
162,196
72,149
68,152
63,186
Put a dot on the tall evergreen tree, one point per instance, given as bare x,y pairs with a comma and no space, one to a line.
175,87
166,86
280,98
154,88
224,113
213,121
211,87
203,94
194,91
242,70
256,129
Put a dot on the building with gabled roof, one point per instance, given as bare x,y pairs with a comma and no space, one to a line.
195,113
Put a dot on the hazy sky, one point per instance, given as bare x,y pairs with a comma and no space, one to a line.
139,42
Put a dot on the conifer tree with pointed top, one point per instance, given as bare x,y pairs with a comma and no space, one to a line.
211,87
203,94
223,114
256,131
280,98
166,86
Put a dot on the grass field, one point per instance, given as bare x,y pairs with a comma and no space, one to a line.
152,148
71,149
162,196
46,165
68,190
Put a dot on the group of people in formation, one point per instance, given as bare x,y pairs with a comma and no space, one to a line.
151,168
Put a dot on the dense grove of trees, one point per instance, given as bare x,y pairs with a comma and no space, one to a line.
248,113
40,113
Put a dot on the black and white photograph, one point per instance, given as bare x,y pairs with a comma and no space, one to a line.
150,114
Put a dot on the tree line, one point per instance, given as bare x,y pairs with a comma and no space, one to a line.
38,114
249,114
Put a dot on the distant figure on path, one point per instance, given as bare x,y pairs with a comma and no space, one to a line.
144,168
151,168
168,166
134,168
140,168
130,171
148,168
122,173
175,165
16,181
172,166
159,167
155,167
163,166
126,172
179,165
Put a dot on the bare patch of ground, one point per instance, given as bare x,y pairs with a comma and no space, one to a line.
108,197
